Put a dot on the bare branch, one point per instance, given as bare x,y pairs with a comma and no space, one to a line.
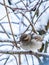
41,14
25,52
9,23
4,30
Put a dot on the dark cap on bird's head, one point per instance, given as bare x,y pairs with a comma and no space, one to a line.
25,38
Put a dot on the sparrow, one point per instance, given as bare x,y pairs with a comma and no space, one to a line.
31,42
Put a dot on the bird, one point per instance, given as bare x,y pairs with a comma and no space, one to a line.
31,42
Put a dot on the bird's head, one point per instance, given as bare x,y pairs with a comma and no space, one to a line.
25,38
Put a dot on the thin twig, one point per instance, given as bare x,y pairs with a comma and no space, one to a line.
29,22
9,41
26,29
6,60
4,16
10,23
24,4
14,9
25,52
10,33
32,59
16,59
19,59
26,60
4,30
41,15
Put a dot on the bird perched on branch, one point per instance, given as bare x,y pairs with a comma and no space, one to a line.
31,42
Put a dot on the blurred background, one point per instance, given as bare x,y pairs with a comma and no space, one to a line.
23,16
